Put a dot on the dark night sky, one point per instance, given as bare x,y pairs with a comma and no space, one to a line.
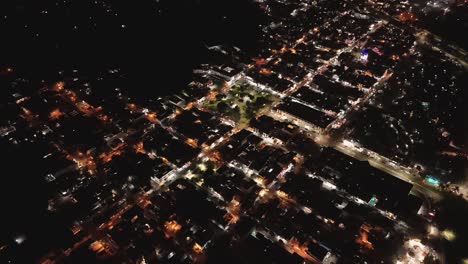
157,43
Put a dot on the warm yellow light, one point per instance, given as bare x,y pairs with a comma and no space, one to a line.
449,235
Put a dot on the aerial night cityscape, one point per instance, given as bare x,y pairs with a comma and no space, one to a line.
234,131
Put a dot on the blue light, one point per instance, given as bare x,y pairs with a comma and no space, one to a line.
432,180
373,201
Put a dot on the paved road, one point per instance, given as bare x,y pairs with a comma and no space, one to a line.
390,167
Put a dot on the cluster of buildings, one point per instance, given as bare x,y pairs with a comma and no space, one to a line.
313,151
